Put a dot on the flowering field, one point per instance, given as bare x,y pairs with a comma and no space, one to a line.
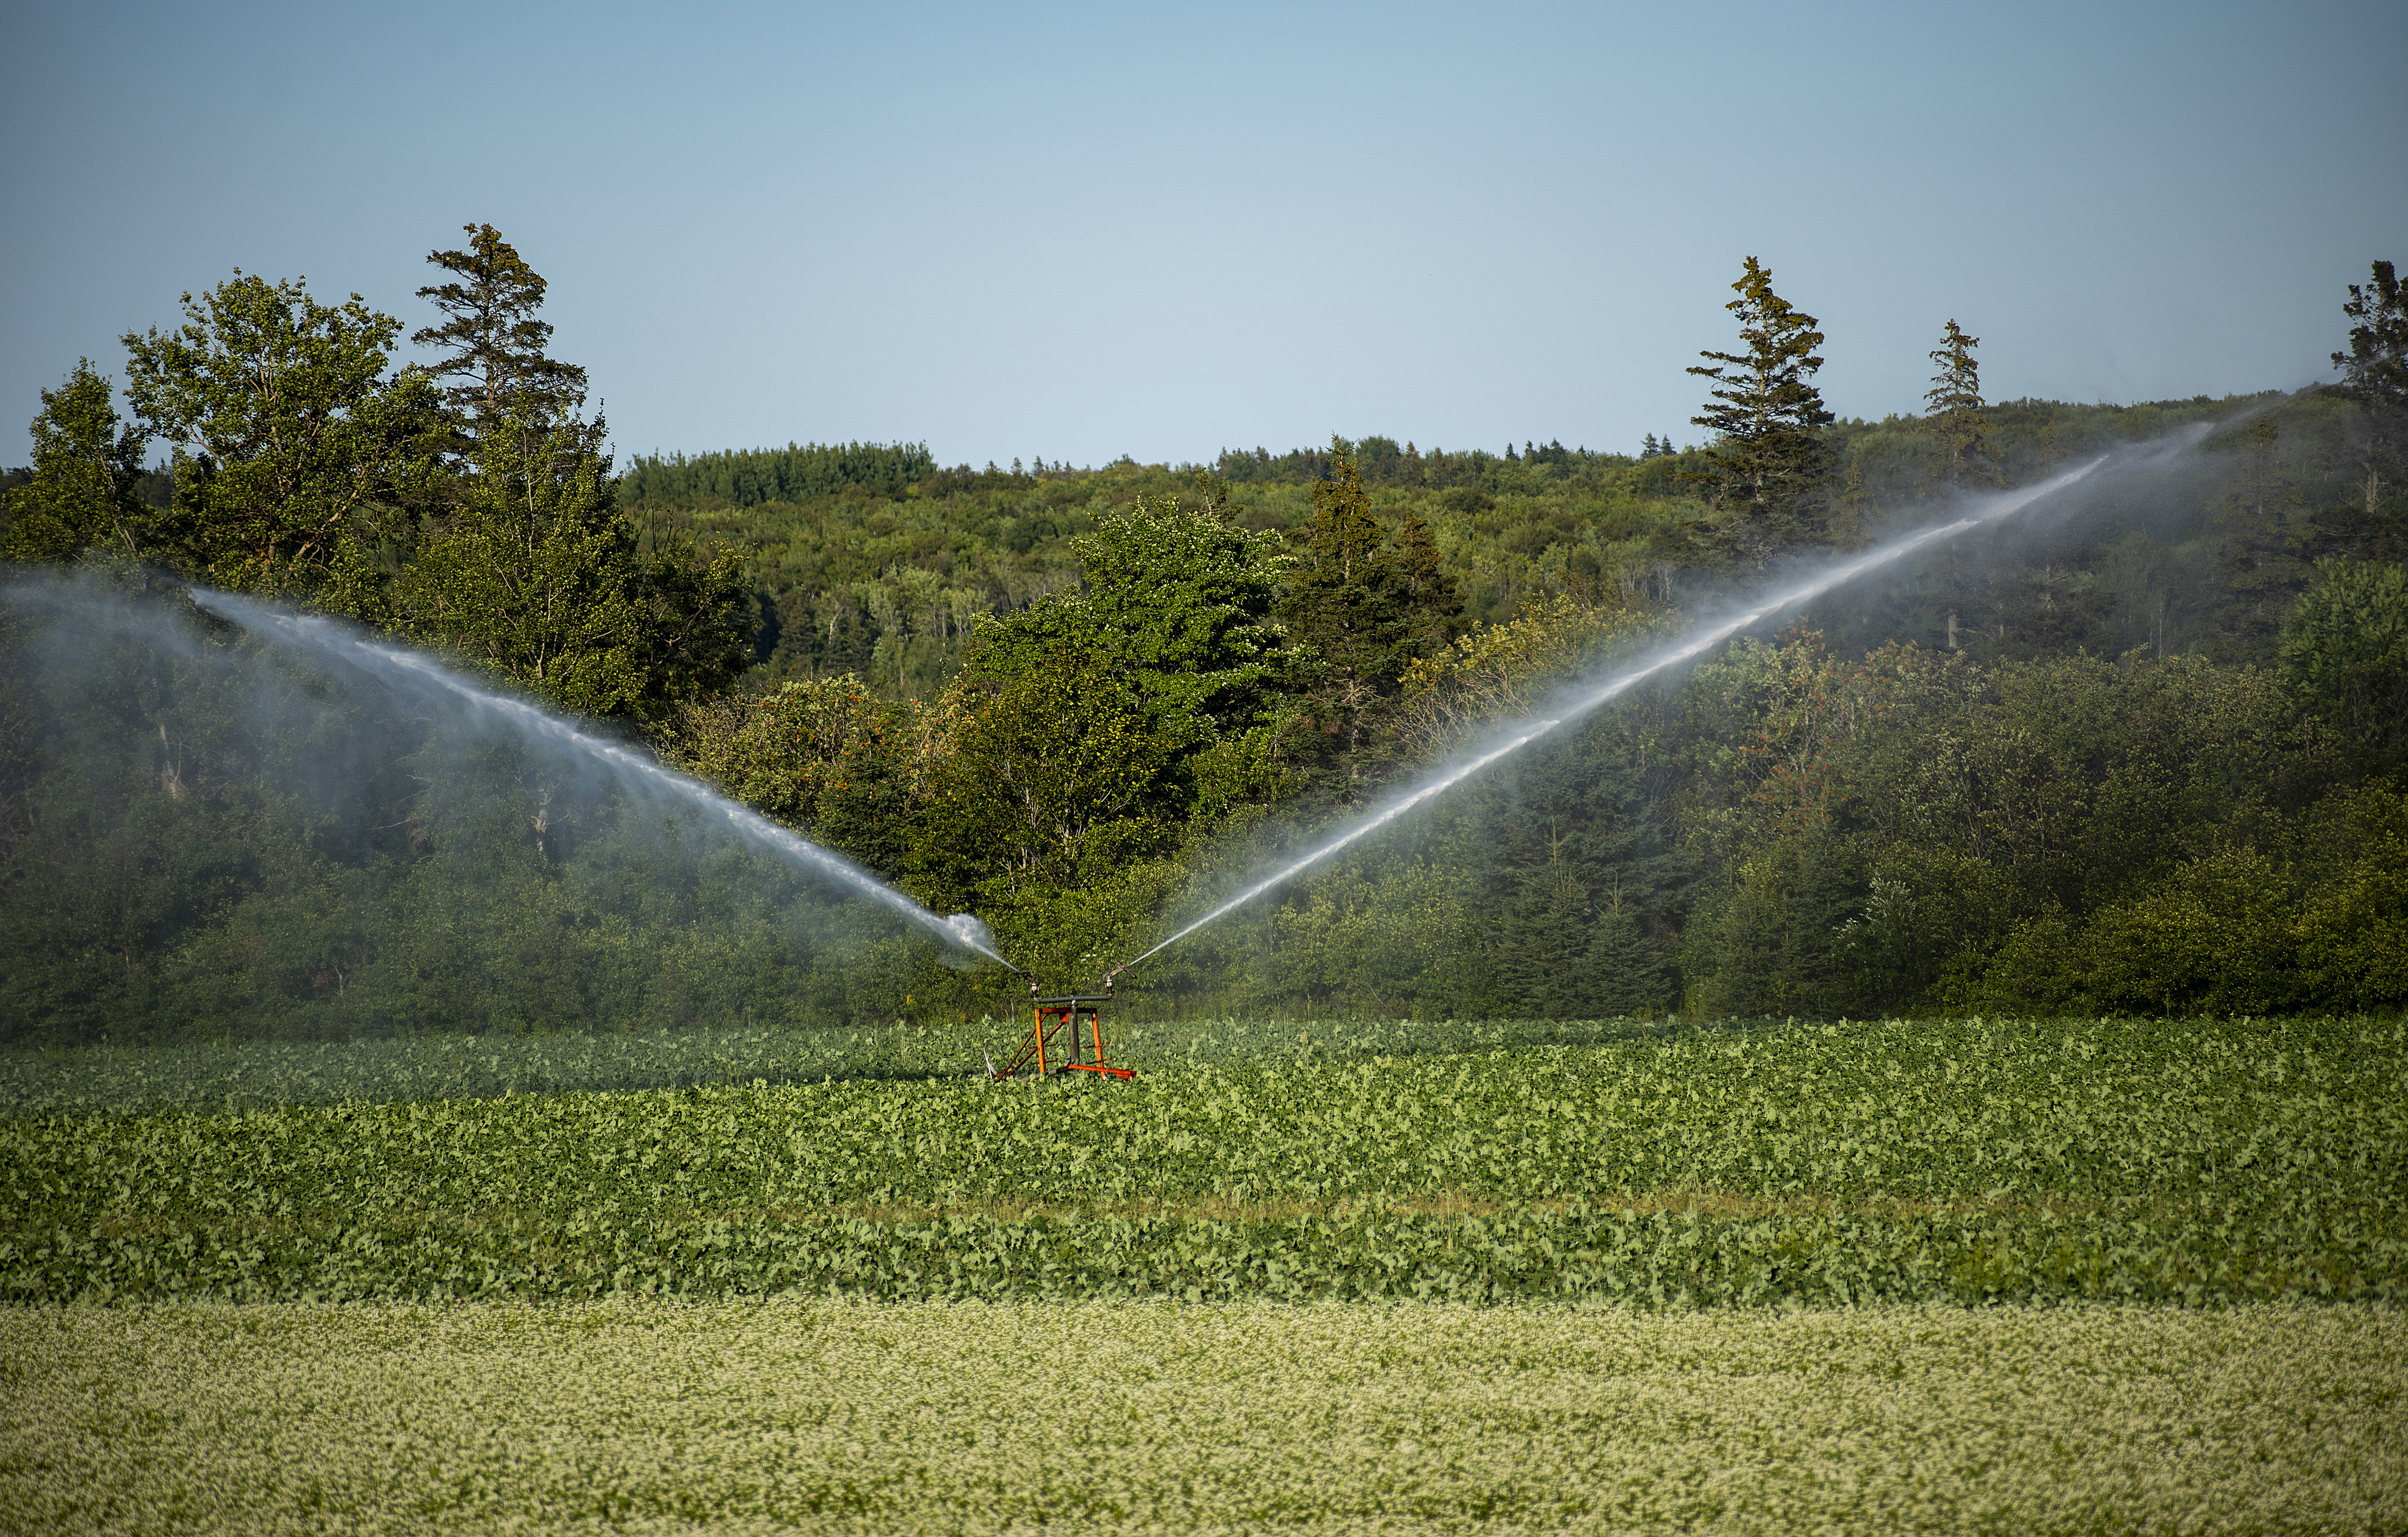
1153,1415
2184,1161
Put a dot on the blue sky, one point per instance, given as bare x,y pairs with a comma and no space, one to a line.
1080,232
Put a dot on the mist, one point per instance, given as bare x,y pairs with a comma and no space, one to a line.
247,822
2148,492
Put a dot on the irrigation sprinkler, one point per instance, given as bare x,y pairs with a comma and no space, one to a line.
1054,1045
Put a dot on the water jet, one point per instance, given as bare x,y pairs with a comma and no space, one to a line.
1577,702
333,640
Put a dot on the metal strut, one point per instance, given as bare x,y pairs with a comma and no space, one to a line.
1053,1044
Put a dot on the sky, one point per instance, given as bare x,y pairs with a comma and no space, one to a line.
1081,232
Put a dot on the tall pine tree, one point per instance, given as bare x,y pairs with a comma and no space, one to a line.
494,363
1956,420
2374,373
1769,458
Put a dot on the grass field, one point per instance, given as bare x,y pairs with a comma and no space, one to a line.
2062,1275
1158,1416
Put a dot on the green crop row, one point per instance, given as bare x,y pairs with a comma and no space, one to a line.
1580,1254
2142,1160
266,1074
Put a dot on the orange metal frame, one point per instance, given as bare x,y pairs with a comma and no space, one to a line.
1061,1017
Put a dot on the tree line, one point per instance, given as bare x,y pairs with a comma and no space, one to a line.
2049,772
467,502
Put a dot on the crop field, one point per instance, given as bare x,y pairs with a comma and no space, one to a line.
835,1415
2003,1275
269,1074
2190,1162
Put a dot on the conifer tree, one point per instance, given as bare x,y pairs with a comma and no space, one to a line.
1434,605
1620,971
1955,418
1344,537
1540,936
2374,371
539,575
1769,457
494,363
1347,603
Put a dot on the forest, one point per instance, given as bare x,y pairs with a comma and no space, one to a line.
2141,755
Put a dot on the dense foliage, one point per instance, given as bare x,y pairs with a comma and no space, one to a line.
2139,752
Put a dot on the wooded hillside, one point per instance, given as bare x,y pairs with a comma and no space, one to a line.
2134,750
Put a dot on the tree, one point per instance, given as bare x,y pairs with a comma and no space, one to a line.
1096,731
539,575
1956,416
494,361
2374,371
1348,603
2344,654
823,754
1541,934
1056,775
286,429
1768,456
1621,972
1434,606
1177,611
86,466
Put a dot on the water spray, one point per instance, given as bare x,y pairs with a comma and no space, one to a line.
326,638
1580,704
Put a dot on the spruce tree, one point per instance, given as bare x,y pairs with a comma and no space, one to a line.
1955,418
1539,938
1434,606
1348,603
540,576
1620,971
2374,372
494,363
1768,457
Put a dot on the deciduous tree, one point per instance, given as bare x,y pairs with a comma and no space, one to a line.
2345,651
1177,608
86,464
288,432
1056,774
